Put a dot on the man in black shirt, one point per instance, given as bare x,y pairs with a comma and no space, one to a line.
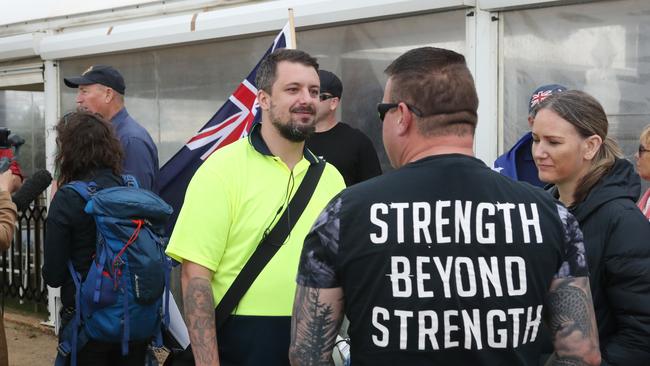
341,145
442,261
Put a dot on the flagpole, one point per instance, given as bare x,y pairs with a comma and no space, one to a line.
292,29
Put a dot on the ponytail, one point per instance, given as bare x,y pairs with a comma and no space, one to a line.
603,162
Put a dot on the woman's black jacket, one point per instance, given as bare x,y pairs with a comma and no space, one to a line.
617,241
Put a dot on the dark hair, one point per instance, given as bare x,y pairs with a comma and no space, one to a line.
438,83
588,118
265,76
85,142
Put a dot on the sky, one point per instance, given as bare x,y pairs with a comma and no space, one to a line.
24,10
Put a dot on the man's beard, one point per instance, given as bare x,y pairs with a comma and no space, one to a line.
292,130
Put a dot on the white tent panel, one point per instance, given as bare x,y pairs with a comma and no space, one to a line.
40,9
511,4
19,46
222,23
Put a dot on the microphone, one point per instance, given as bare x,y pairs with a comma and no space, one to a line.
32,187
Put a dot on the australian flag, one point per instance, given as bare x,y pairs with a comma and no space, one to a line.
231,122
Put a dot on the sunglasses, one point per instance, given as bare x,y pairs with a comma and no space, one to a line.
642,150
325,96
383,108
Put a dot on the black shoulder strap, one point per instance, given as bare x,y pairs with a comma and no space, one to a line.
270,243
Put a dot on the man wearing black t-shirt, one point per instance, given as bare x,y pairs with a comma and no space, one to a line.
442,261
341,145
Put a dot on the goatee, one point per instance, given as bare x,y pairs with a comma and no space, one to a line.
293,131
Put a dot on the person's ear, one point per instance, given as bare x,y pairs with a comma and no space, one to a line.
264,99
591,146
405,120
334,103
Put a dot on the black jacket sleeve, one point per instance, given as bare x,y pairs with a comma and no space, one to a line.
70,236
58,241
627,276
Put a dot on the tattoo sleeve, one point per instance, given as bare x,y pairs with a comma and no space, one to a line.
317,315
572,322
199,316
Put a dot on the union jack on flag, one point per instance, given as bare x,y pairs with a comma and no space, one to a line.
231,122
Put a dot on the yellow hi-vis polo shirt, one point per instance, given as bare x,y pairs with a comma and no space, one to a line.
237,194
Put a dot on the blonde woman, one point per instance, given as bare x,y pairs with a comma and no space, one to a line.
572,151
643,168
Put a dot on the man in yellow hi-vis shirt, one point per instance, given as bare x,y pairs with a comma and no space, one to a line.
236,196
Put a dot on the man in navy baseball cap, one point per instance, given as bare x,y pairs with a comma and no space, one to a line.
98,74
101,91
518,162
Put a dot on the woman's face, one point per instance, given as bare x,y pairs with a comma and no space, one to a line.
643,160
560,153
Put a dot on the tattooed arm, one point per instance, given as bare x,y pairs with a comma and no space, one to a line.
572,323
318,305
198,304
316,318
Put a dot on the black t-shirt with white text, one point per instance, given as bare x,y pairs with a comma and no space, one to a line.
443,262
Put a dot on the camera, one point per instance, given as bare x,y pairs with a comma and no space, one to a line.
9,147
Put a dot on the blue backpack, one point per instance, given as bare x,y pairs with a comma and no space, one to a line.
121,298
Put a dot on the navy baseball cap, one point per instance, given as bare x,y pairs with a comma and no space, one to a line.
330,83
542,93
98,74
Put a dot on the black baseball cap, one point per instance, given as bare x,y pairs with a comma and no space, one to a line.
98,74
330,83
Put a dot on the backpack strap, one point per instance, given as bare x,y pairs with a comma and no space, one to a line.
72,339
130,181
85,189
98,278
270,243
76,323
126,331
